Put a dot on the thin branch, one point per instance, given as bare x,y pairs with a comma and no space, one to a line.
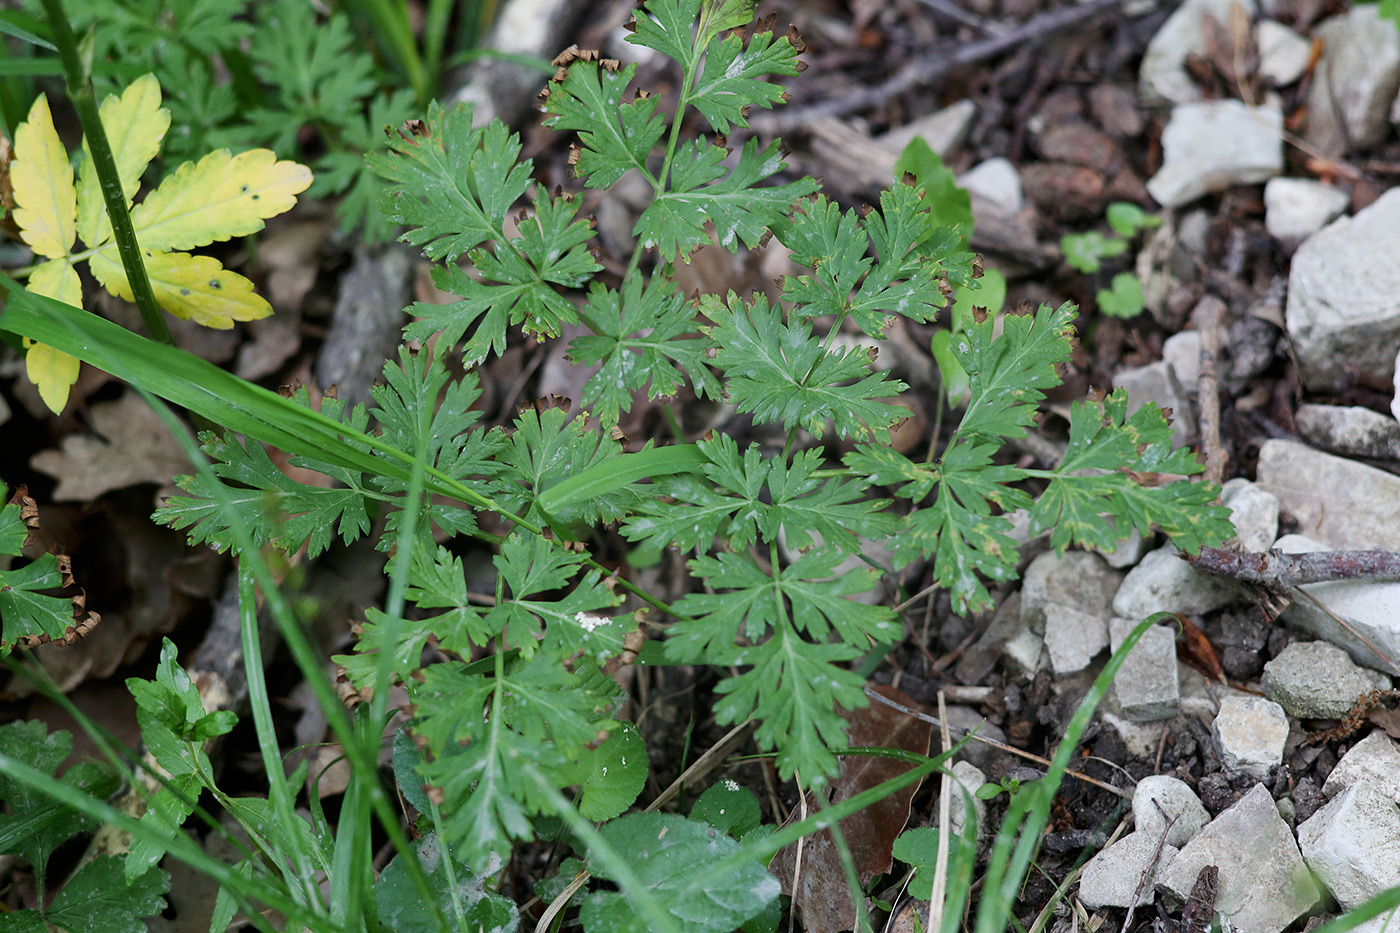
1279,572
1210,317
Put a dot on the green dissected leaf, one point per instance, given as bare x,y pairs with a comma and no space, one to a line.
493,739
959,530
1120,458
547,448
642,338
1010,373
615,136
405,646
668,26
36,825
702,190
729,808
272,506
24,610
718,15
454,184
461,893
780,374
517,284
420,387
531,565
794,687
323,81
796,504
948,205
663,849
98,900
729,84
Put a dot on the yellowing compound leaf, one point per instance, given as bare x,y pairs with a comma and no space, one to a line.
135,124
53,371
46,202
219,197
193,288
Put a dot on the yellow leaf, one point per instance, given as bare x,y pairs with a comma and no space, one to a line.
45,201
53,371
193,288
135,124
220,197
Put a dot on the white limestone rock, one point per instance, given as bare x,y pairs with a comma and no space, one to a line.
1341,503
1375,759
1296,208
1163,75
1254,512
1283,54
1069,597
1354,82
1147,688
1250,733
1263,884
1343,306
1164,582
1158,799
1349,430
1211,145
1114,875
1352,844
998,181
1361,616
1317,680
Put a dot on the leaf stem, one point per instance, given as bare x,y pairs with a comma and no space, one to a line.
77,67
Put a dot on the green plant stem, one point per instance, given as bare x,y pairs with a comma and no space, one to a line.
260,704
78,72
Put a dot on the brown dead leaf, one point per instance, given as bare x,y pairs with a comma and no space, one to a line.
822,894
1387,719
129,445
1194,648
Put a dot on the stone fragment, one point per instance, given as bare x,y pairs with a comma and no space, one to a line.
1283,54
1250,733
1069,597
1349,430
1341,503
997,181
1353,844
1360,616
1163,74
1209,146
1146,686
1316,680
1263,885
1375,759
1254,512
1159,798
1114,875
1155,382
1354,82
1296,208
1164,582
1129,551
1343,308
967,777
1182,352
1116,110
944,130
